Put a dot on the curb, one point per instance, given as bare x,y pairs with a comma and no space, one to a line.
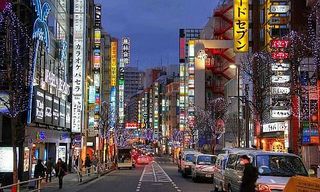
95,177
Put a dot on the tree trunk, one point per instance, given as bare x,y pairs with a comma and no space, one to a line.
14,146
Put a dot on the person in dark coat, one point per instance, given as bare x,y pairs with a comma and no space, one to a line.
49,165
250,175
60,169
87,163
39,171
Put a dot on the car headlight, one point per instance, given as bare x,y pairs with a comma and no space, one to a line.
263,188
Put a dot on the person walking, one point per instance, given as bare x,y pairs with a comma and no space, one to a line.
87,164
49,165
61,169
39,171
250,175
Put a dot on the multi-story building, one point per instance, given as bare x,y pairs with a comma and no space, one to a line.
133,78
186,72
171,112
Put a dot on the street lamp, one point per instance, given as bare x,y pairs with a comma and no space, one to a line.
236,67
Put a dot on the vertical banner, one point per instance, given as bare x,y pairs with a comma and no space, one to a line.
78,63
241,25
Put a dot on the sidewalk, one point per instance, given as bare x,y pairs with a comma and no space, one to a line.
70,182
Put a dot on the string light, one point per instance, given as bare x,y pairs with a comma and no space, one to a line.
16,58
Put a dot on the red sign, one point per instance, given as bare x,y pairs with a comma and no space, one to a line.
131,125
280,55
279,43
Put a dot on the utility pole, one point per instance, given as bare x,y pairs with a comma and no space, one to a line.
247,114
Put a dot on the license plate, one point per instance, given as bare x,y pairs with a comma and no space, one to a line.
208,175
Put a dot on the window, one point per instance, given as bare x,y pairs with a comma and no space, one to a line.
232,161
280,165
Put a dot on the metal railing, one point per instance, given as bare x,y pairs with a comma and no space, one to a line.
93,170
18,185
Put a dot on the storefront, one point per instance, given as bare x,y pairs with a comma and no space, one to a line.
275,136
44,144
48,136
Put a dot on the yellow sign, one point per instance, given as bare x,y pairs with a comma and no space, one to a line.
302,184
241,25
113,70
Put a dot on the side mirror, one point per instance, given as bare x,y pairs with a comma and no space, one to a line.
311,172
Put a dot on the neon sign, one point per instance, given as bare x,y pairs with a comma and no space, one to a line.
40,27
279,43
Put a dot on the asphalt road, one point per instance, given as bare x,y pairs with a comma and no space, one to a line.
158,176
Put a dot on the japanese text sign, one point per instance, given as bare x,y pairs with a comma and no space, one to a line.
241,25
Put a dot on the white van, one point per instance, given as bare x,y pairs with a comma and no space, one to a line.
203,167
274,169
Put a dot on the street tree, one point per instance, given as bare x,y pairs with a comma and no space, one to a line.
15,72
209,121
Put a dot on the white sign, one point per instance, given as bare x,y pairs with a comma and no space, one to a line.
96,79
76,114
280,90
6,159
277,126
126,50
279,8
282,113
280,66
78,63
280,78
52,80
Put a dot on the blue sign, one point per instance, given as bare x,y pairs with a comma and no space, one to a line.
40,27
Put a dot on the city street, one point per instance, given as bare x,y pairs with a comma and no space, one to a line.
158,176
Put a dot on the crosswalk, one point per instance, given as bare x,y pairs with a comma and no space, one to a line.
154,173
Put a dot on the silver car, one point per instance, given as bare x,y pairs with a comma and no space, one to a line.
218,176
203,167
274,169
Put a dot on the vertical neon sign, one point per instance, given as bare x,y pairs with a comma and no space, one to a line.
40,33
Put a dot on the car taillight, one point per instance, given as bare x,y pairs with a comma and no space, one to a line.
263,188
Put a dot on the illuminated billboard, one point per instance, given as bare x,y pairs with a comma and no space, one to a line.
114,56
241,25
79,29
126,50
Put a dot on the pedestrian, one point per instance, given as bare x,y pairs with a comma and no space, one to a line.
95,162
39,171
250,175
87,164
49,165
60,171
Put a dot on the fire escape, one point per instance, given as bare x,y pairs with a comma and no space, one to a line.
219,59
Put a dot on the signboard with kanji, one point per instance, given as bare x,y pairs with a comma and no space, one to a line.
241,25
78,63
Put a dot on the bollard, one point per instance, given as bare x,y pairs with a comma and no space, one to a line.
18,186
39,184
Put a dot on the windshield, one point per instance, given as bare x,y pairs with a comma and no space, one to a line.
189,157
206,160
280,165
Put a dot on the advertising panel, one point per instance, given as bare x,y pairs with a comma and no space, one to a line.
280,78
62,113
241,25
277,126
39,105
126,50
282,113
48,108
56,113
79,29
68,115
280,90
280,66
92,92
6,159
114,57
279,8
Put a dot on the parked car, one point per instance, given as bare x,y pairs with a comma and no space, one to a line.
186,162
203,167
181,155
218,176
274,169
